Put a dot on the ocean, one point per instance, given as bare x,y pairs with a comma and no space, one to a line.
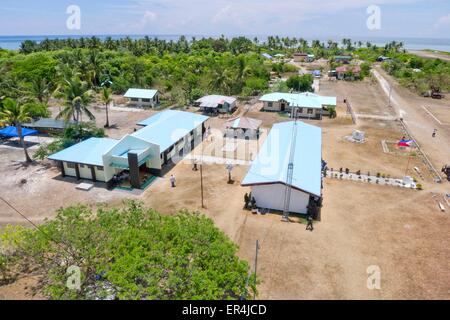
13,42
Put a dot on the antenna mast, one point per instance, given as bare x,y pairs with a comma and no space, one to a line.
290,171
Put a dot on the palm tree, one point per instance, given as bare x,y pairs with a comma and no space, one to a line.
76,98
40,89
15,114
221,80
107,99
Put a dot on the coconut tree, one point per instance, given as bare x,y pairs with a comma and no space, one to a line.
106,97
221,80
14,113
39,89
76,97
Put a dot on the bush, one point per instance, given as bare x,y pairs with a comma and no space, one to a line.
332,111
300,83
38,110
83,131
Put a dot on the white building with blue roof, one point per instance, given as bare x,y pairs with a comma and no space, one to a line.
308,105
165,138
143,97
268,174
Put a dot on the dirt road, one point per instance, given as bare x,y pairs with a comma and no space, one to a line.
411,108
431,55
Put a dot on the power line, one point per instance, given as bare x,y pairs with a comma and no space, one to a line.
21,214
35,225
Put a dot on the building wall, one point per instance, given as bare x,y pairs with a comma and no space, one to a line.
85,171
69,171
100,174
272,197
184,144
276,106
152,103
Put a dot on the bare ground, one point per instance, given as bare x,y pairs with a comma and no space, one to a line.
401,231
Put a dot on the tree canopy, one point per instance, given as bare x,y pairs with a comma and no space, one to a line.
129,253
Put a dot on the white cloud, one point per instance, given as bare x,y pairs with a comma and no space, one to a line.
222,14
149,16
443,21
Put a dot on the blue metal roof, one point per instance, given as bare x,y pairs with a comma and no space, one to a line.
86,152
167,127
271,164
305,99
140,93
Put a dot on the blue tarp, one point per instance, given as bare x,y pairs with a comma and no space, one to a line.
11,132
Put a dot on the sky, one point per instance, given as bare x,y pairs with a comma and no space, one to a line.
300,18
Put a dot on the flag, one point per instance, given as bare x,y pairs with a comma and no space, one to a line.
405,143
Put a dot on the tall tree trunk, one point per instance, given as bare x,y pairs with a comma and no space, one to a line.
107,116
22,142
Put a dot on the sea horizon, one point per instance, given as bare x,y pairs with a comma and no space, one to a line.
13,42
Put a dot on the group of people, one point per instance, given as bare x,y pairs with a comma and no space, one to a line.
250,202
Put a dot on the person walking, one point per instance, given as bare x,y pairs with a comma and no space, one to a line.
172,181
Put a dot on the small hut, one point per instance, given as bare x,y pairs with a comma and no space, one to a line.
216,104
243,128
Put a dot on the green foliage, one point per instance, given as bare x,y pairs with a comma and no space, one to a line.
416,73
33,66
300,83
365,70
38,110
135,253
281,86
73,134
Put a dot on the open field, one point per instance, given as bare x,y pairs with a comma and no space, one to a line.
401,231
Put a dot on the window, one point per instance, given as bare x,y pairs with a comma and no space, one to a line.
270,104
81,165
300,110
310,111
146,100
135,99
99,168
70,165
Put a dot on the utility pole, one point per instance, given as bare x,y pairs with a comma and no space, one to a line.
256,265
201,184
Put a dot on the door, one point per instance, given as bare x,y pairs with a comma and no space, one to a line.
283,106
